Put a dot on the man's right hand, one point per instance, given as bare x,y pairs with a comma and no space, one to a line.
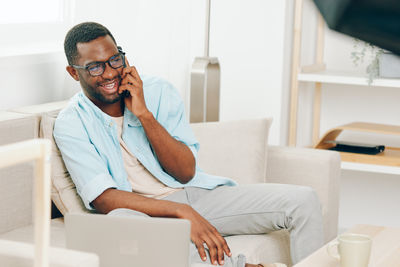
202,232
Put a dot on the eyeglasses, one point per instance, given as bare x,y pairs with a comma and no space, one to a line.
97,68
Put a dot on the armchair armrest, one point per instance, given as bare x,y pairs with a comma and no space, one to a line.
319,169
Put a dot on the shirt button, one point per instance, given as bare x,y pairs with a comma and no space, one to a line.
111,124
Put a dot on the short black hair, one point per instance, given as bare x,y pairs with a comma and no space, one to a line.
82,33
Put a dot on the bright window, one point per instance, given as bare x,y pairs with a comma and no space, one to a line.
32,11
34,26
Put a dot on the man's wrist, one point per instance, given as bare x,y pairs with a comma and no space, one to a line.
145,116
181,210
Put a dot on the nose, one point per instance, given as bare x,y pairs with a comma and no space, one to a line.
109,72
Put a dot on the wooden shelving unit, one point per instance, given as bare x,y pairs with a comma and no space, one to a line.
386,162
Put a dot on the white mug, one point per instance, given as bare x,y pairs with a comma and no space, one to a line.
353,250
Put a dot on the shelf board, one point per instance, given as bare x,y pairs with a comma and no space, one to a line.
389,157
353,161
337,77
370,168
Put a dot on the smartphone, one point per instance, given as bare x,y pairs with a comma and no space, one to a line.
126,92
353,147
123,53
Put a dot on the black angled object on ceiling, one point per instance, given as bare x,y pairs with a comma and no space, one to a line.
373,21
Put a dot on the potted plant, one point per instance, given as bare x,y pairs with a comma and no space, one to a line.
382,63
360,50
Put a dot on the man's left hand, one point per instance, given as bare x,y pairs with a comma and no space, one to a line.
132,83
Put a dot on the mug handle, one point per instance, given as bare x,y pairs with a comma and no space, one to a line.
330,247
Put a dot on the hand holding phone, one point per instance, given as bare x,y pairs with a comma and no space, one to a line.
131,88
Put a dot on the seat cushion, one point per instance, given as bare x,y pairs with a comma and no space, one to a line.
22,255
63,191
272,247
234,149
25,234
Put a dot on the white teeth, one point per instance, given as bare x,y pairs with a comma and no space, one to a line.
109,85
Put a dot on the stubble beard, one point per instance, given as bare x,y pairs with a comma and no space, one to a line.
96,94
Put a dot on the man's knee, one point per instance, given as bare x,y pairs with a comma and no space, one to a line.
126,212
306,198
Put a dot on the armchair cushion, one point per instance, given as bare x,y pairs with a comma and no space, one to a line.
317,168
234,149
63,191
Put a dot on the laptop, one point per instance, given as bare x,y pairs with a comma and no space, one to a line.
130,241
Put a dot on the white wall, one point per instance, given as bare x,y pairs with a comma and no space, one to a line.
248,39
163,37
32,79
369,198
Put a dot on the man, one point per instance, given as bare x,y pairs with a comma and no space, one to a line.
129,149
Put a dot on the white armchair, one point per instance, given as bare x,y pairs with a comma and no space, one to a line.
236,149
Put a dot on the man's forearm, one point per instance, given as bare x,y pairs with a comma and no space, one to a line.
112,199
175,157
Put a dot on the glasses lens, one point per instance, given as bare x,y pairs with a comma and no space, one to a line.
116,61
96,69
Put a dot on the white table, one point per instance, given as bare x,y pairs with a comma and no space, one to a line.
385,248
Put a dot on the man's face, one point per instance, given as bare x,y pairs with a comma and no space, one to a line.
101,89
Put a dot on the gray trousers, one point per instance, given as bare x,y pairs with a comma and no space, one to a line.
255,209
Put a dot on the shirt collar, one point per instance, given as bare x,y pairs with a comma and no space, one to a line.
96,110
129,117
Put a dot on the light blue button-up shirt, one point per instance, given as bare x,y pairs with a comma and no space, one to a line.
87,139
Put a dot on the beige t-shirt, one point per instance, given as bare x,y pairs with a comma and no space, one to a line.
142,181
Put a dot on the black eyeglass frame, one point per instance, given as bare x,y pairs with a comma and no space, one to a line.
120,53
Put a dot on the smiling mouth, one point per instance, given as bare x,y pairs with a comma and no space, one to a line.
110,87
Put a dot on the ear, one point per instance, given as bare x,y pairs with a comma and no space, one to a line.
73,72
